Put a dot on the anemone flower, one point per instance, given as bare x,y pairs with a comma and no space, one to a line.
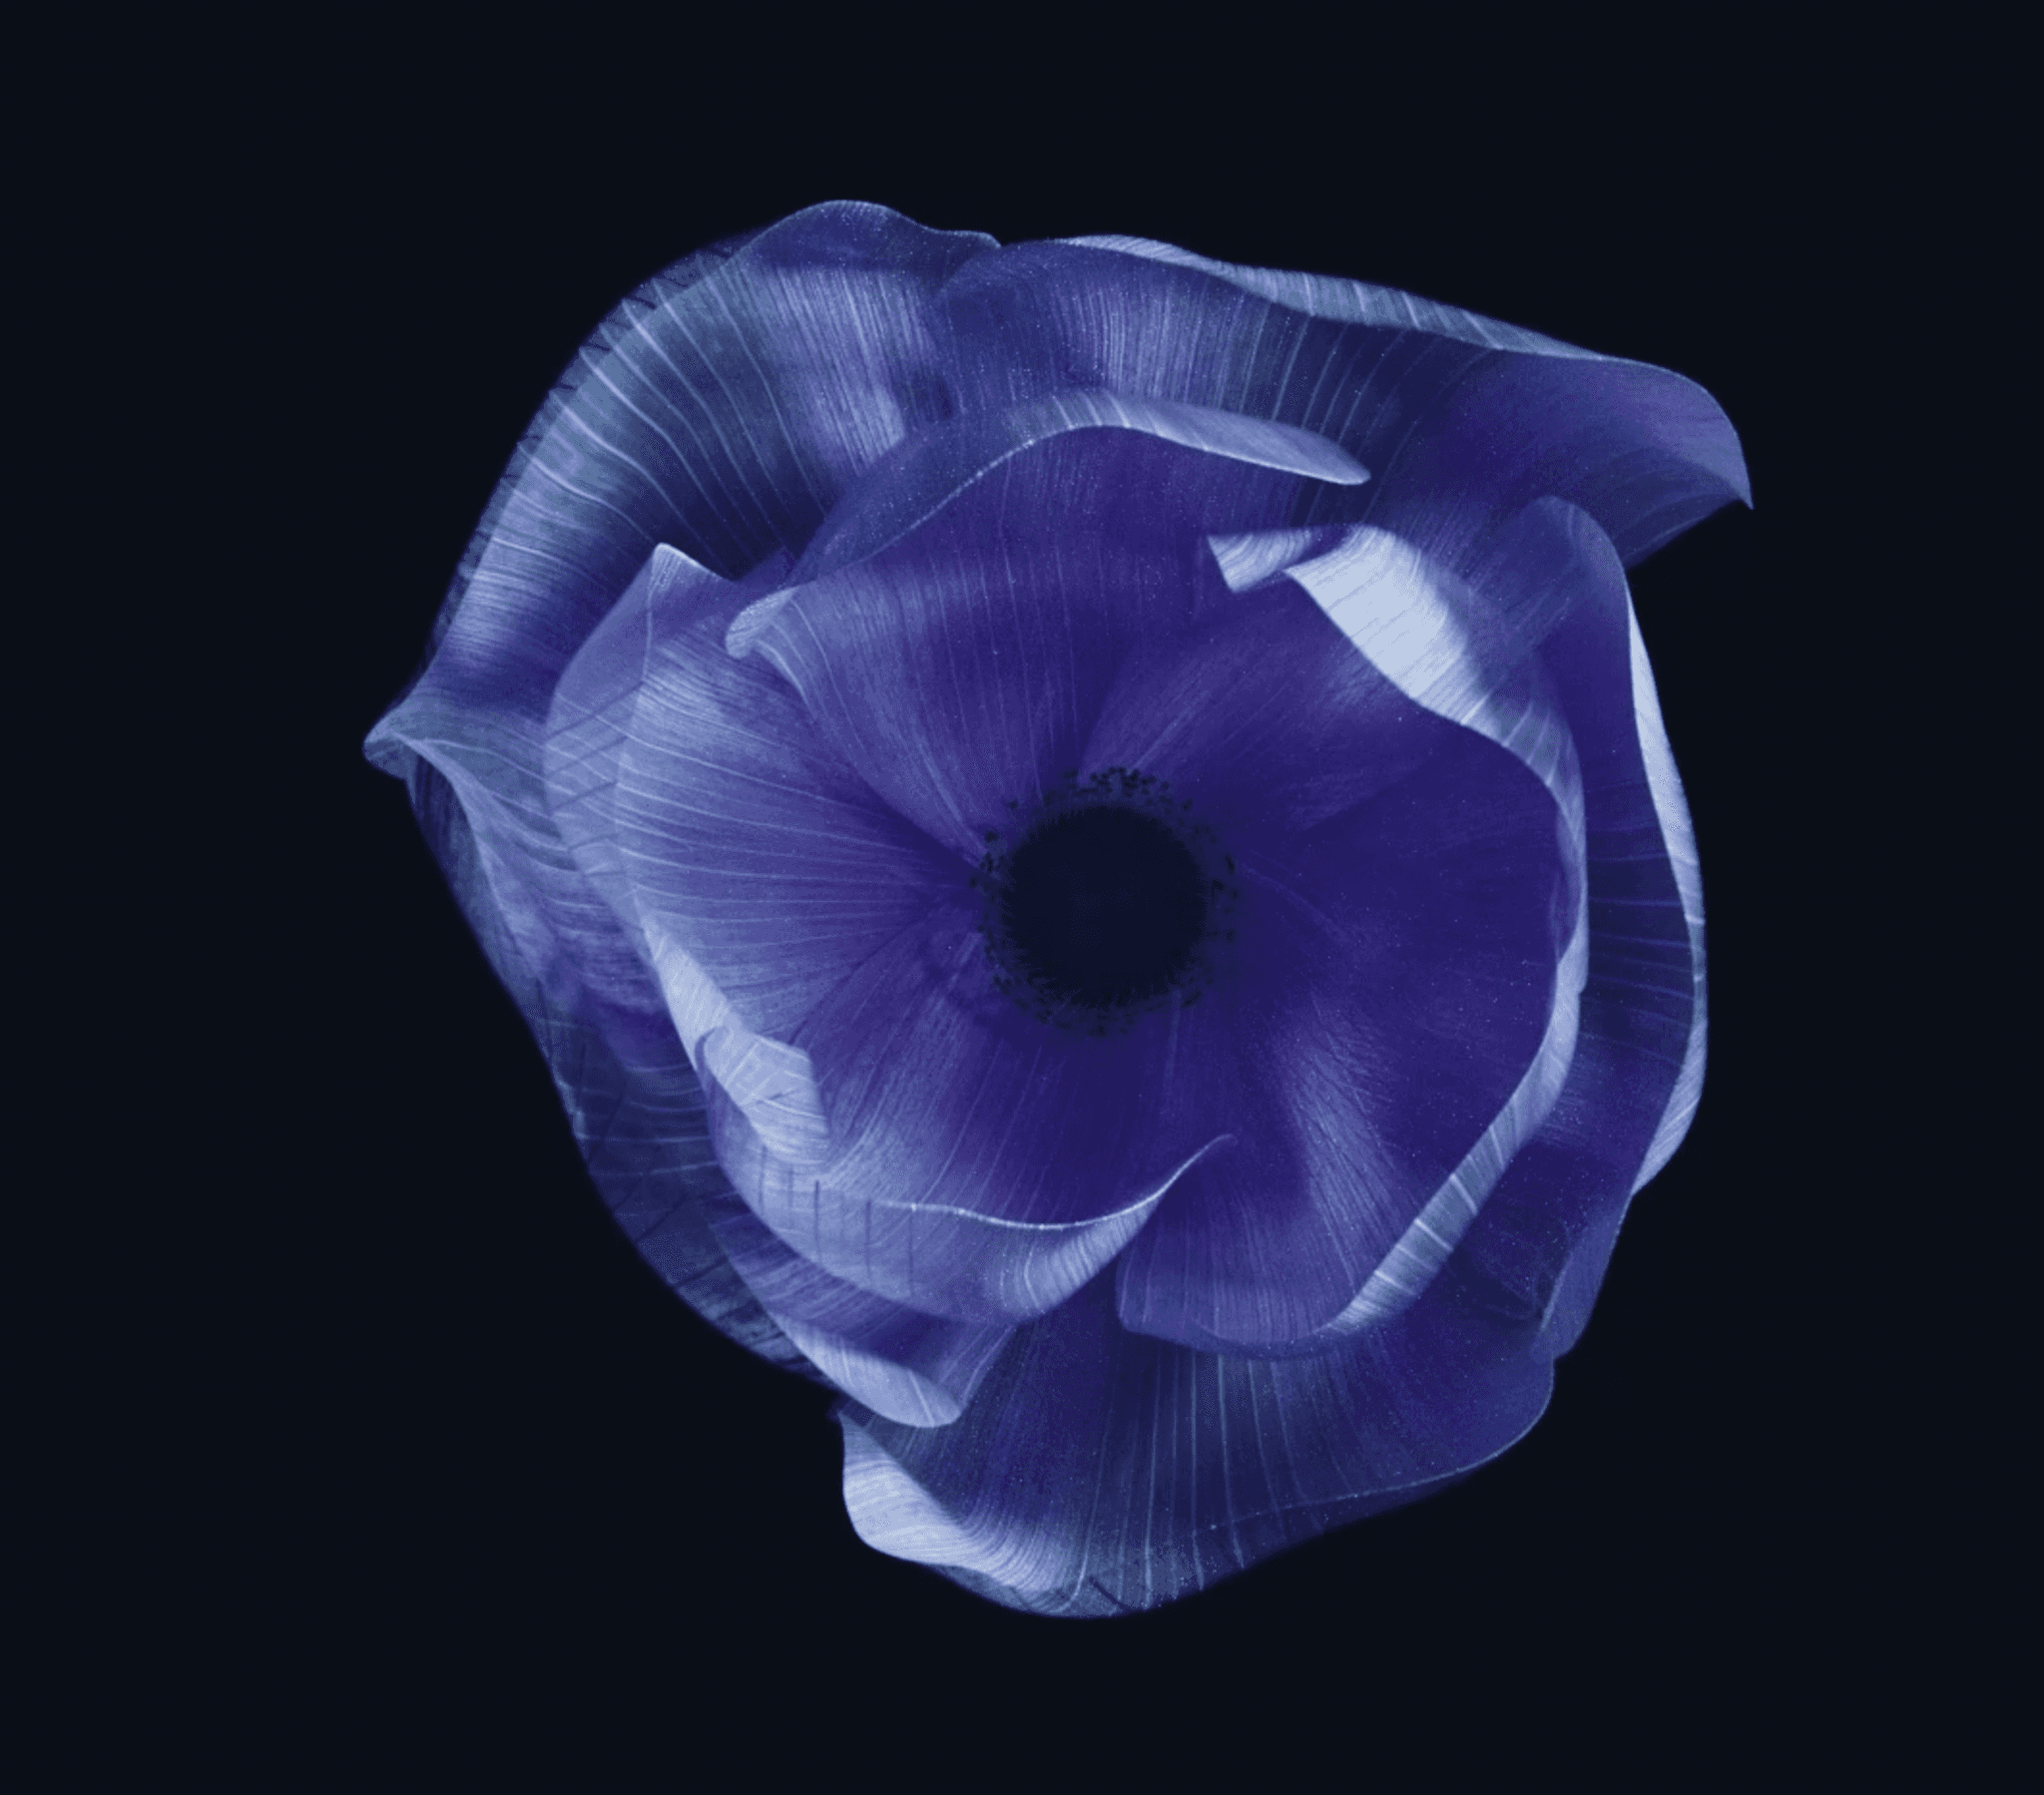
1087,836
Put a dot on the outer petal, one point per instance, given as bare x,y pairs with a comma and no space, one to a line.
909,1367
1099,1472
586,498
931,469
1434,401
477,776
720,408
1540,1248
960,670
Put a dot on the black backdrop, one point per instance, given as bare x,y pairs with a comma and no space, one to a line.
473,1477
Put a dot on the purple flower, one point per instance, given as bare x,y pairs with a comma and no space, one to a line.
1087,836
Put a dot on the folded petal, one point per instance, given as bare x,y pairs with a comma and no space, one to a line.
1460,419
917,1369
1438,640
959,670
1099,1472
1262,717
477,775
736,829
1541,1245
930,470
926,1141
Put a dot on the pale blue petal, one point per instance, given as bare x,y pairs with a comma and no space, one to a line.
1462,420
920,1370
1099,1472
477,775
1541,1245
960,670
930,470
736,830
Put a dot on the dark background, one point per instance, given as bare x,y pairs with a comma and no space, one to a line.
447,1471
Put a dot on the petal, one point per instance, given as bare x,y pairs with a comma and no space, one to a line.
959,670
730,415
742,834
1352,301
1247,559
1460,419
1099,1472
1542,1243
931,469
1395,977
1405,1004
722,408
926,1141
477,775
589,720
1446,647
1262,716
917,1369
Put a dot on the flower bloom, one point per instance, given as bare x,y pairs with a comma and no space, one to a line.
1087,836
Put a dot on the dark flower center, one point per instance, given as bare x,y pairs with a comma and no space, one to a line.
1104,906
1111,903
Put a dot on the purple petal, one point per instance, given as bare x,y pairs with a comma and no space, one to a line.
1411,943
477,775
917,1369
1395,978
1350,301
960,670
727,415
929,470
720,408
1440,405
736,830
926,1141
1099,1472
1264,718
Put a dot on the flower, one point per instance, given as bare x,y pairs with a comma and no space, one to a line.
1087,836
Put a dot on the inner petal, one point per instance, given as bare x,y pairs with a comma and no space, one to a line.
744,837
961,670
1393,975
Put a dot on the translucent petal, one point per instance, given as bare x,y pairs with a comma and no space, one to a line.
719,408
1435,639
477,775
1350,301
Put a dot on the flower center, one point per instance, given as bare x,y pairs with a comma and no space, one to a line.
1107,905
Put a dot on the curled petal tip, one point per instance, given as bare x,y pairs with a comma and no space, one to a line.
750,624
